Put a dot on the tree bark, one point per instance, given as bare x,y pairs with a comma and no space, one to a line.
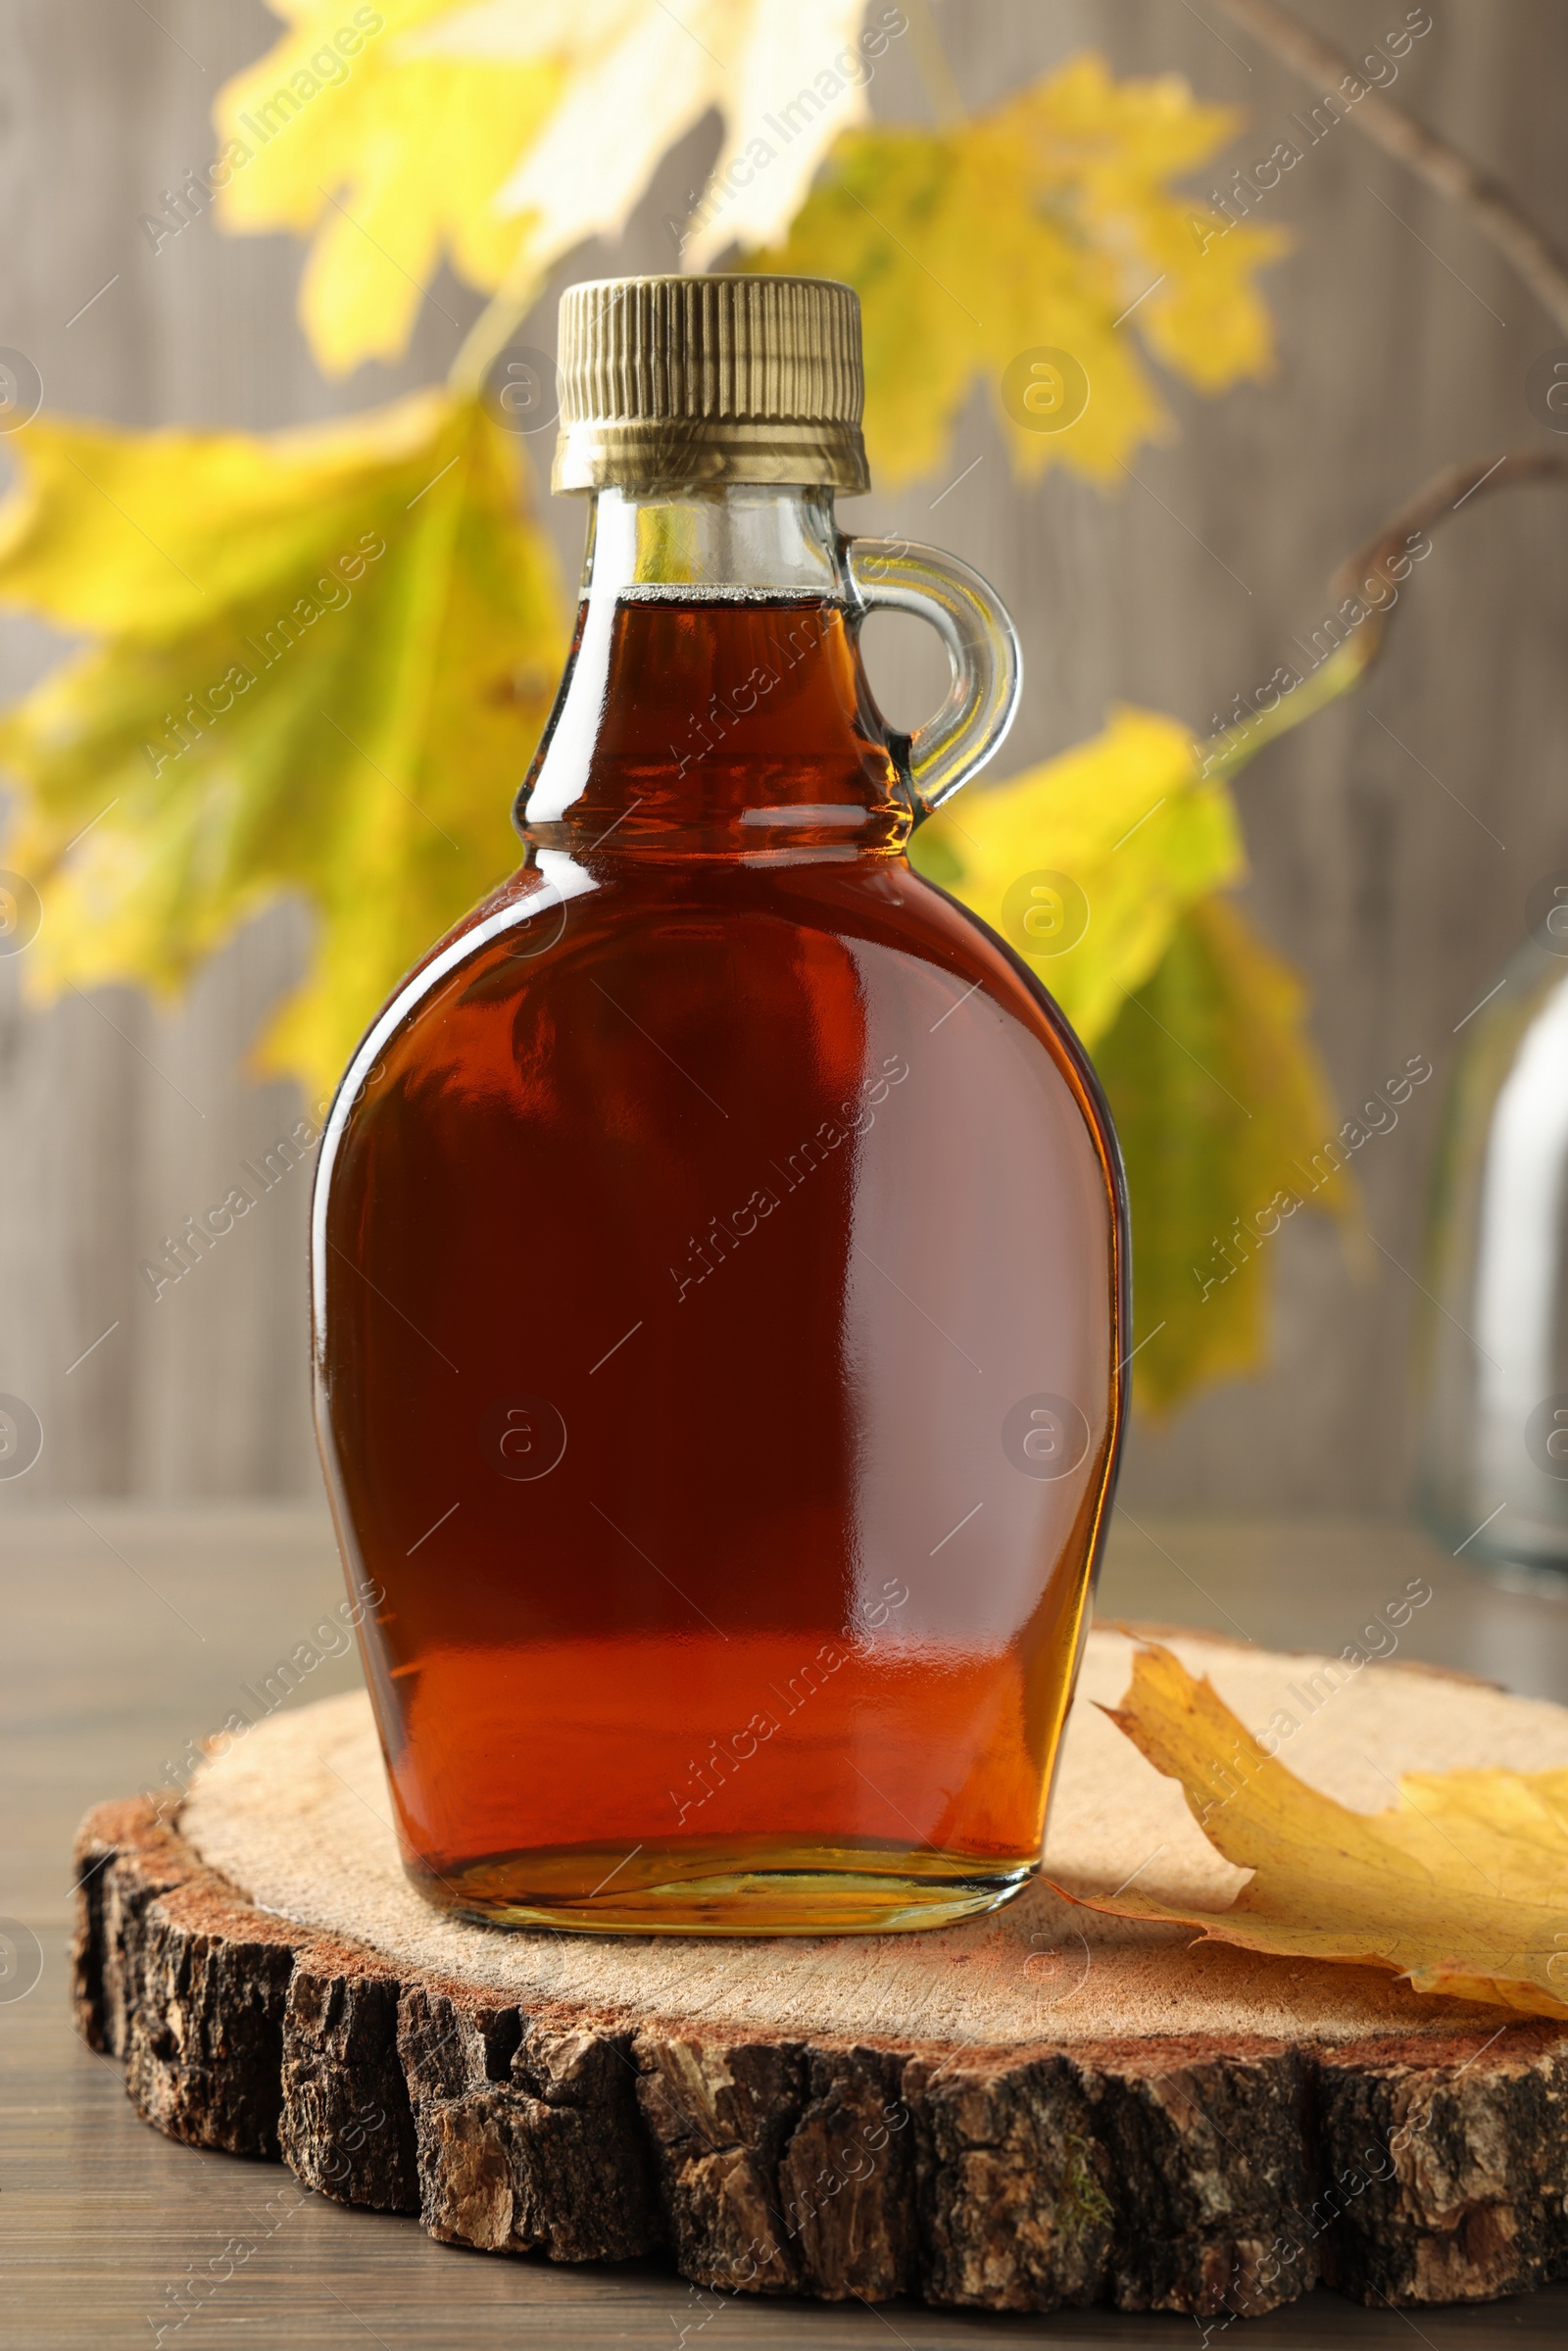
1213,2171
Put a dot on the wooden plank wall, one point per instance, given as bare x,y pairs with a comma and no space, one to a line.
1404,343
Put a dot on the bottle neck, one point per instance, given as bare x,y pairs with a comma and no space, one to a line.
750,539
713,701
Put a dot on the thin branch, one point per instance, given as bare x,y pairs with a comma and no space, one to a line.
1494,210
1431,505
931,62
496,325
1369,577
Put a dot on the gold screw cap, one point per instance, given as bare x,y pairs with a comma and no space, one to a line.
670,381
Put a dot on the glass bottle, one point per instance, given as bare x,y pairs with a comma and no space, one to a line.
1493,1347
719,1244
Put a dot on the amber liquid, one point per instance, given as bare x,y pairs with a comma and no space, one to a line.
687,1231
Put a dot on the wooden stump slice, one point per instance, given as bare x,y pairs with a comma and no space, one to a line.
1041,2107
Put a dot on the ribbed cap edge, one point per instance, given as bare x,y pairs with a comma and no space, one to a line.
709,364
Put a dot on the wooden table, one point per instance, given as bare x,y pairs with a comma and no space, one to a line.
127,1632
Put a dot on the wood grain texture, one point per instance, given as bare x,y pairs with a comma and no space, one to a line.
1398,903
973,2117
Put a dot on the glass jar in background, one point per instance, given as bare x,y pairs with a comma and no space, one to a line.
1493,1362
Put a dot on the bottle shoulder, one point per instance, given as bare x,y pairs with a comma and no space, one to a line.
555,915
704,959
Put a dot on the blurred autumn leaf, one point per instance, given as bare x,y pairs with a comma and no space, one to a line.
639,79
500,135
1049,223
1128,820
322,664
392,160
1099,867
1460,1888
1220,1101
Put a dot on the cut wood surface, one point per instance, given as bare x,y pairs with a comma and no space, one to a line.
1046,2105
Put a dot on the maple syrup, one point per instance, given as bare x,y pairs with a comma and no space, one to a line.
718,1258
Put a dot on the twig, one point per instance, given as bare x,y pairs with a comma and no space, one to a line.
1494,210
931,62
496,325
1431,505
1369,570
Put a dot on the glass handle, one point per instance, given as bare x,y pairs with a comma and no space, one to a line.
975,626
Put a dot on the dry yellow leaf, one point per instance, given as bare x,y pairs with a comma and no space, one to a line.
317,664
392,158
785,76
1131,830
1034,249
500,134
1461,1887
1100,867
1225,1118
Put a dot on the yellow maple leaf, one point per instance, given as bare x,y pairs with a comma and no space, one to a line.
1227,1127
1100,867
1461,1888
785,76
1045,227
321,663
500,135
1084,862
392,158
